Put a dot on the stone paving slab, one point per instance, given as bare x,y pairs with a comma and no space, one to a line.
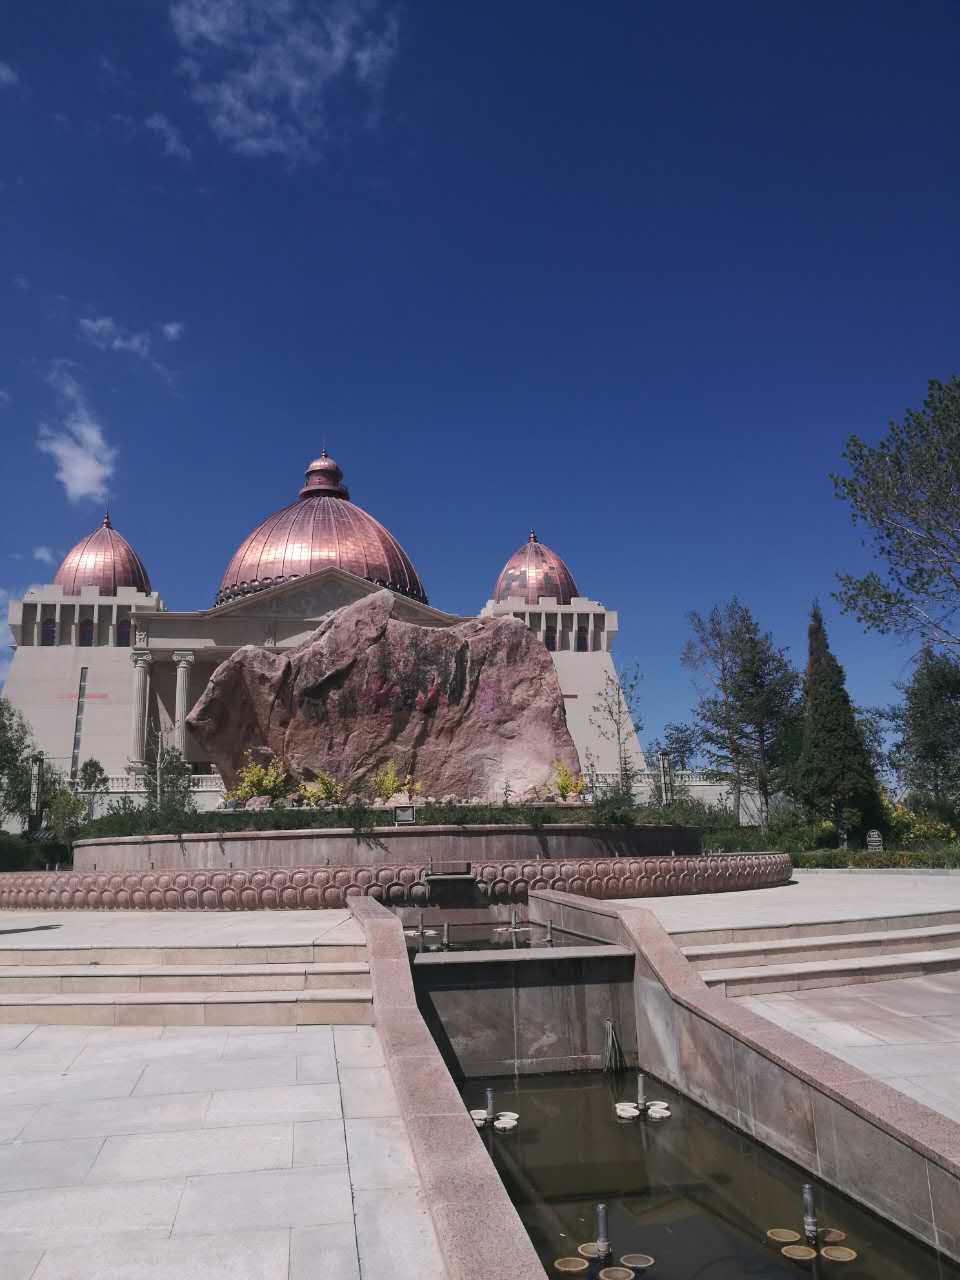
182,1153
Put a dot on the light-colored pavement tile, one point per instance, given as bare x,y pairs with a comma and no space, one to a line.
843,1033
73,1216
19,1266
265,1042
395,1236
46,1164
259,1201
102,1052
315,1068
892,1029
13,1034
330,1252
254,1255
319,1142
236,1149
903,1060
255,1073
285,1102
24,1060
380,1154
13,1120
368,1091
54,1086
117,1115
358,1046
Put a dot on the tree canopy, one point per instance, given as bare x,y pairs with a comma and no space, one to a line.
905,493
16,748
926,754
834,776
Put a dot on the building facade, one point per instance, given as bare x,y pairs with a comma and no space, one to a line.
102,669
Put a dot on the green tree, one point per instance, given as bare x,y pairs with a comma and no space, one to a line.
66,810
744,711
16,749
166,778
92,778
834,777
905,492
926,754
682,743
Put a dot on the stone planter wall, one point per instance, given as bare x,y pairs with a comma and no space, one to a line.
311,887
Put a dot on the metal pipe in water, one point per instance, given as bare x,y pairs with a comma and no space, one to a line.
490,1111
641,1100
809,1213
420,929
549,938
603,1238
446,933
514,919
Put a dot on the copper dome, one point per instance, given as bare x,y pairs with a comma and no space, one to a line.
103,559
322,529
534,571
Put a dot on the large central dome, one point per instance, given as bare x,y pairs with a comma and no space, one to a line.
322,529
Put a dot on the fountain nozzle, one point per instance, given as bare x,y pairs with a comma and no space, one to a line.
809,1213
603,1238
490,1111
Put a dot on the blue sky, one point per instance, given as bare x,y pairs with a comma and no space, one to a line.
629,273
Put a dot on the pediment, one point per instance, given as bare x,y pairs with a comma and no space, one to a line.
312,597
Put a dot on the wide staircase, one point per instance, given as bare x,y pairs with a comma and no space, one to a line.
275,985
742,962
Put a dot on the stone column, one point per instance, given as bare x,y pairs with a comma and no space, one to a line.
184,662
141,688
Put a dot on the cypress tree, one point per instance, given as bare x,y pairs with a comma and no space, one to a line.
834,774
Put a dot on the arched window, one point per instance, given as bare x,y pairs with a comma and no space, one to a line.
85,633
48,632
123,633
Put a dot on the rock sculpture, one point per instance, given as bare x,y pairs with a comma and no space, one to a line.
466,709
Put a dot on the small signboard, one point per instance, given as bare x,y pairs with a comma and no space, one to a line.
874,842
404,815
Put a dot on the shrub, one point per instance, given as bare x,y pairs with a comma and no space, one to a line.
19,853
565,781
256,779
388,781
322,791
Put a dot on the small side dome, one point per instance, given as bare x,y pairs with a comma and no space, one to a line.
534,571
103,559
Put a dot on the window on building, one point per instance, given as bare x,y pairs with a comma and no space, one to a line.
85,634
582,638
550,638
48,632
123,633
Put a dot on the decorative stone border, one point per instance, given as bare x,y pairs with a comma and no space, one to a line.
309,888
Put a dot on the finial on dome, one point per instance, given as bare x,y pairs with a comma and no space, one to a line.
533,536
324,477
106,519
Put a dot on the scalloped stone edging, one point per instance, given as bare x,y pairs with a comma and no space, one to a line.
311,888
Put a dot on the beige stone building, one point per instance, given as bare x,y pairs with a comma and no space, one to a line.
102,669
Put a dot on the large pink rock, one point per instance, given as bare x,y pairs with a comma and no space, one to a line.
466,708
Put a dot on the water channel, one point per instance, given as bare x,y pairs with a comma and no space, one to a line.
690,1191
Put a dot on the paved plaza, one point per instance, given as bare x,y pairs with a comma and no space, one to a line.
185,1153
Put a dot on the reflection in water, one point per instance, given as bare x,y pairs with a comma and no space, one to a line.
690,1190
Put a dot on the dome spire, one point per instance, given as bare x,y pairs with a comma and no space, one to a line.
103,559
324,476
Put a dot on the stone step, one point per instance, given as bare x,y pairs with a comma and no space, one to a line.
812,929
294,953
826,946
49,979
746,980
192,1008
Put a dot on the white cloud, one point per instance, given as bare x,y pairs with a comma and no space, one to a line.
276,77
169,135
5,398
105,333
21,282
8,77
85,461
44,555
173,330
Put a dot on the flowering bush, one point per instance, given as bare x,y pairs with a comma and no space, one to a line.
910,828
388,781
